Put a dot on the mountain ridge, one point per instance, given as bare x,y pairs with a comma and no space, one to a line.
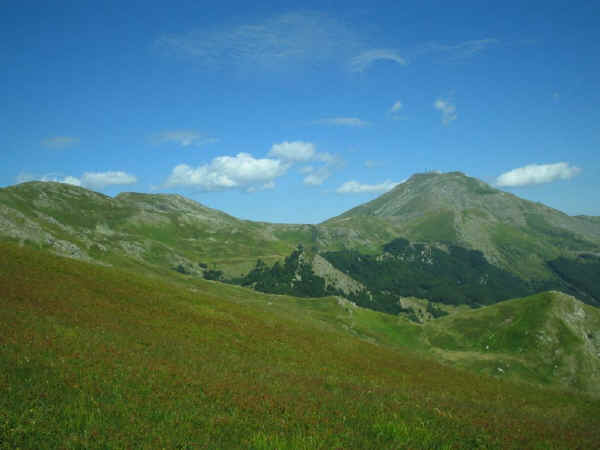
456,209
167,231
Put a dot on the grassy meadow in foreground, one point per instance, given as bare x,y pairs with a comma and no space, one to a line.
93,357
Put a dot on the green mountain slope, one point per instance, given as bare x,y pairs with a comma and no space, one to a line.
453,276
138,229
550,338
452,208
96,357
541,247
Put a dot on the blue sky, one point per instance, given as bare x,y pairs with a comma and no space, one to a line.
294,114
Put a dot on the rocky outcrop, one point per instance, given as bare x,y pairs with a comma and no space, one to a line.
333,277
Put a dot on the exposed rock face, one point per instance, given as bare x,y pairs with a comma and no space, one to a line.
586,327
333,277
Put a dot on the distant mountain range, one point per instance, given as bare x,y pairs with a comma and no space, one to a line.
448,238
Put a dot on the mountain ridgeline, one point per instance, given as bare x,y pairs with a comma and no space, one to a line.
446,238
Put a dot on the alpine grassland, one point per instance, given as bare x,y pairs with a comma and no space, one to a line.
100,357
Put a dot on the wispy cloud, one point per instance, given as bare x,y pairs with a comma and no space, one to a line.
24,177
369,164
296,151
354,187
308,39
318,176
342,121
461,50
362,61
395,111
184,138
537,174
448,110
397,106
93,180
60,142
306,169
275,42
330,159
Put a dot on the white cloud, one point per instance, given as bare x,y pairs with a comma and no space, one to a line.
354,187
247,172
185,138
296,151
396,107
366,58
93,180
60,142
342,121
537,174
276,42
448,110
230,172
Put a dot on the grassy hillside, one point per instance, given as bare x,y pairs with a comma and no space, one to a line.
92,357
548,338
138,229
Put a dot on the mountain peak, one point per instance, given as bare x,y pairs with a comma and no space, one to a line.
456,209
442,177
423,192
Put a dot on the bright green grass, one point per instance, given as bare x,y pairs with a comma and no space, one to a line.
91,357
438,227
525,339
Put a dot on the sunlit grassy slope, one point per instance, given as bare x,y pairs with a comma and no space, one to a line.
93,357
549,338
143,230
